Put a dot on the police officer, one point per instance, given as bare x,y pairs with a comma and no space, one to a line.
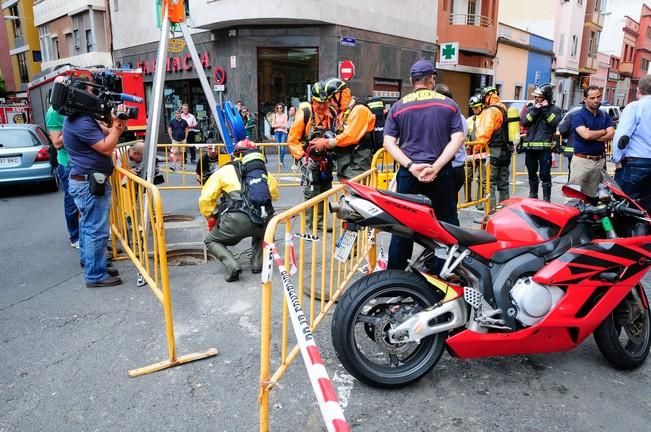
541,119
632,146
313,120
355,131
228,221
492,130
423,132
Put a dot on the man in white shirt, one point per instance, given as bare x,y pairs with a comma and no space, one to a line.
192,123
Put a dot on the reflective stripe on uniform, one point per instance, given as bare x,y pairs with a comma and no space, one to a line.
536,145
529,117
376,105
551,117
568,150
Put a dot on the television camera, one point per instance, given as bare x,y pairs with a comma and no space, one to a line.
74,96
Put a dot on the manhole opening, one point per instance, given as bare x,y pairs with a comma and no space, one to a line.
177,218
186,257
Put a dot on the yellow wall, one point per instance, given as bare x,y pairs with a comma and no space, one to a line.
30,34
511,70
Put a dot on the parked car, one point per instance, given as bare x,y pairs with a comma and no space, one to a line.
24,156
613,112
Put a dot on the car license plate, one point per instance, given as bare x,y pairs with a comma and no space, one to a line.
345,245
8,162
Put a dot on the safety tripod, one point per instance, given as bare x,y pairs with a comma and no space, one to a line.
173,12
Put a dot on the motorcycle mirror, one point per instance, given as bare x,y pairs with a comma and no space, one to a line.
574,191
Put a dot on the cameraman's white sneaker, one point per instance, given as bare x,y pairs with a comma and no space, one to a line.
75,244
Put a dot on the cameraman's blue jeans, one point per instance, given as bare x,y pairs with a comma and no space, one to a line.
93,228
69,207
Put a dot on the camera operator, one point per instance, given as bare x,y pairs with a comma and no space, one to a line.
90,147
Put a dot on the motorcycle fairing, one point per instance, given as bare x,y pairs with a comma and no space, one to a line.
587,301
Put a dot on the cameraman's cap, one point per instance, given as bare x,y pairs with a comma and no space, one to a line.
422,68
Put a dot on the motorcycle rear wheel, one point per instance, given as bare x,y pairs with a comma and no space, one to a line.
624,338
370,307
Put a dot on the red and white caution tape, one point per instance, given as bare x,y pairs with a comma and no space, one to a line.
331,411
289,241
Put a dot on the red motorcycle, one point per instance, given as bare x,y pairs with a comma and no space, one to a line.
539,277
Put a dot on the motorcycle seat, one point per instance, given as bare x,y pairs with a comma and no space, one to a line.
418,198
468,237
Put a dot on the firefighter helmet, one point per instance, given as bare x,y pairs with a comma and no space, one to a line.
318,92
244,146
487,91
475,101
545,90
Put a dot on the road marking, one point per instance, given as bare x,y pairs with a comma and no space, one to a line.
344,383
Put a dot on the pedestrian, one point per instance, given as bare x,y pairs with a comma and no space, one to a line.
354,128
178,130
222,204
541,120
479,156
423,132
493,130
313,120
192,124
279,126
249,122
634,134
208,164
591,129
90,147
459,161
54,123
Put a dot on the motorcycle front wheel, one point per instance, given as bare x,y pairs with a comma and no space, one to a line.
624,337
373,305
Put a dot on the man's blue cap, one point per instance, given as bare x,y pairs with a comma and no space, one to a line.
422,68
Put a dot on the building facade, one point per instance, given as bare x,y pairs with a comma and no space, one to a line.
271,52
73,32
472,24
636,52
23,45
523,61
568,36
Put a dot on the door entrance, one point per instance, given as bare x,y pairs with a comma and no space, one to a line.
284,76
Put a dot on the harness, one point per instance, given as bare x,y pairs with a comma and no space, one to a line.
367,140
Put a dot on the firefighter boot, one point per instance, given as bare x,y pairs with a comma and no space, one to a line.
547,191
533,190
231,269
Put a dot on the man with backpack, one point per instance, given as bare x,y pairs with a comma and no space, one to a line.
236,202
541,119
313,120
355,137
492,129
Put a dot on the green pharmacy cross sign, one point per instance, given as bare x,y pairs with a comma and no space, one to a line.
449,53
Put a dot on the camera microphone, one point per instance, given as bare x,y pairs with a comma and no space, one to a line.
623,142
124,97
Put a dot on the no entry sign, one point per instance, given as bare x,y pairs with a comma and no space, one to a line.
346,70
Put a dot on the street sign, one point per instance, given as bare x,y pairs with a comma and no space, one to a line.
347,41
346,70
449,53
219,87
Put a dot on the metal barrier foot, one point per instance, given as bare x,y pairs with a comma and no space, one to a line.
168,363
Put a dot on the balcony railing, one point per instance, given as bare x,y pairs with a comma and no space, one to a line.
471,20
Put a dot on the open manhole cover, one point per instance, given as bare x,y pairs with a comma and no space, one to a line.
187,256
169,217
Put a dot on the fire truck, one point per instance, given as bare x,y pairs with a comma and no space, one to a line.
128,81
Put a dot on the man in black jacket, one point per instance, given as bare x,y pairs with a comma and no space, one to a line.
541,118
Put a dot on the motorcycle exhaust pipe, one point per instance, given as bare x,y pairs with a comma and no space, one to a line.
344,210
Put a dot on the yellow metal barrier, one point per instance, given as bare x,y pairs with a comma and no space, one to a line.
477,169
137,206
320,277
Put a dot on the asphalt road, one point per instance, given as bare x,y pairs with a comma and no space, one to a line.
65,351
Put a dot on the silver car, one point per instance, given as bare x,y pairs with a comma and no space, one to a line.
24,156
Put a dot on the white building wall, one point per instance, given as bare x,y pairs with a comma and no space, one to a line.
570,17
134,21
